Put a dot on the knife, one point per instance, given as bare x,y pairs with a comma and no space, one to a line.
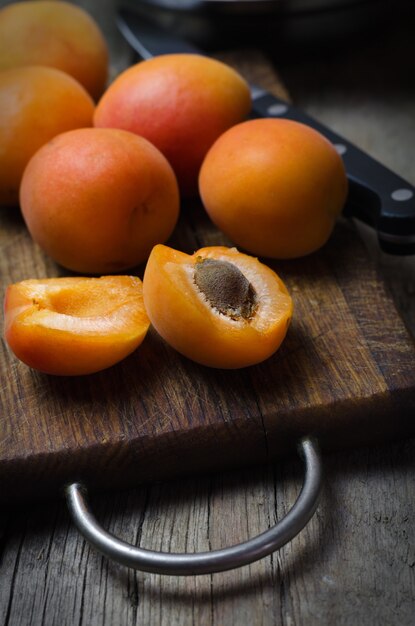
377,196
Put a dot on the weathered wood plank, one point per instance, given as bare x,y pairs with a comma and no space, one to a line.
353,564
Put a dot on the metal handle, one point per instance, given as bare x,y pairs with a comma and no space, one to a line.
204,562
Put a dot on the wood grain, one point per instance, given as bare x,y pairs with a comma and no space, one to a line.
352,564
345,373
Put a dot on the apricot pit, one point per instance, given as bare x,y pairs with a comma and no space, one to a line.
225,287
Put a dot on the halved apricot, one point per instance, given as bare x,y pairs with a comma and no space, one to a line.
218,307
72,326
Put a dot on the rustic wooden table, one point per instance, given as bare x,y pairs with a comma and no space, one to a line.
355,561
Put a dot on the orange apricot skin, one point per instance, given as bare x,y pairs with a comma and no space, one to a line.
98,200
66,341
36,103
55,34
189,324
181,103
275,187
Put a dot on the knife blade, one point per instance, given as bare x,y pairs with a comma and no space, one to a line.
377,196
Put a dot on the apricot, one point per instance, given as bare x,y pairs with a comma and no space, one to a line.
36,103
179,102
275,187
73,326
218,307
56,34
98,200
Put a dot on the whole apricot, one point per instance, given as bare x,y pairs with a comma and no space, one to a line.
56,34
179,102
218,307
98,199
275,187
36,103
73,326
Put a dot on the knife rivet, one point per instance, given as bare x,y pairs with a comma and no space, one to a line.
402,194
277,109
340,148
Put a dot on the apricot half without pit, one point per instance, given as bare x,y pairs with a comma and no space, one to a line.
218,307
75,325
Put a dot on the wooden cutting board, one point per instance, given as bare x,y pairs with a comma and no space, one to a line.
345,373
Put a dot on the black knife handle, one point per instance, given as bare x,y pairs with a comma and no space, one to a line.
384,200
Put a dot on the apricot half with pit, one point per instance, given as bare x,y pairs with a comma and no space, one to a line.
218,307
77,325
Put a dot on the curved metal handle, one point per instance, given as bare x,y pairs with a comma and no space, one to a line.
204,562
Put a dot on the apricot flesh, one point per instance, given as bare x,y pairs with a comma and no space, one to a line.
55,34
181,103
211,325
98,200
275,187
36,103
77,325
